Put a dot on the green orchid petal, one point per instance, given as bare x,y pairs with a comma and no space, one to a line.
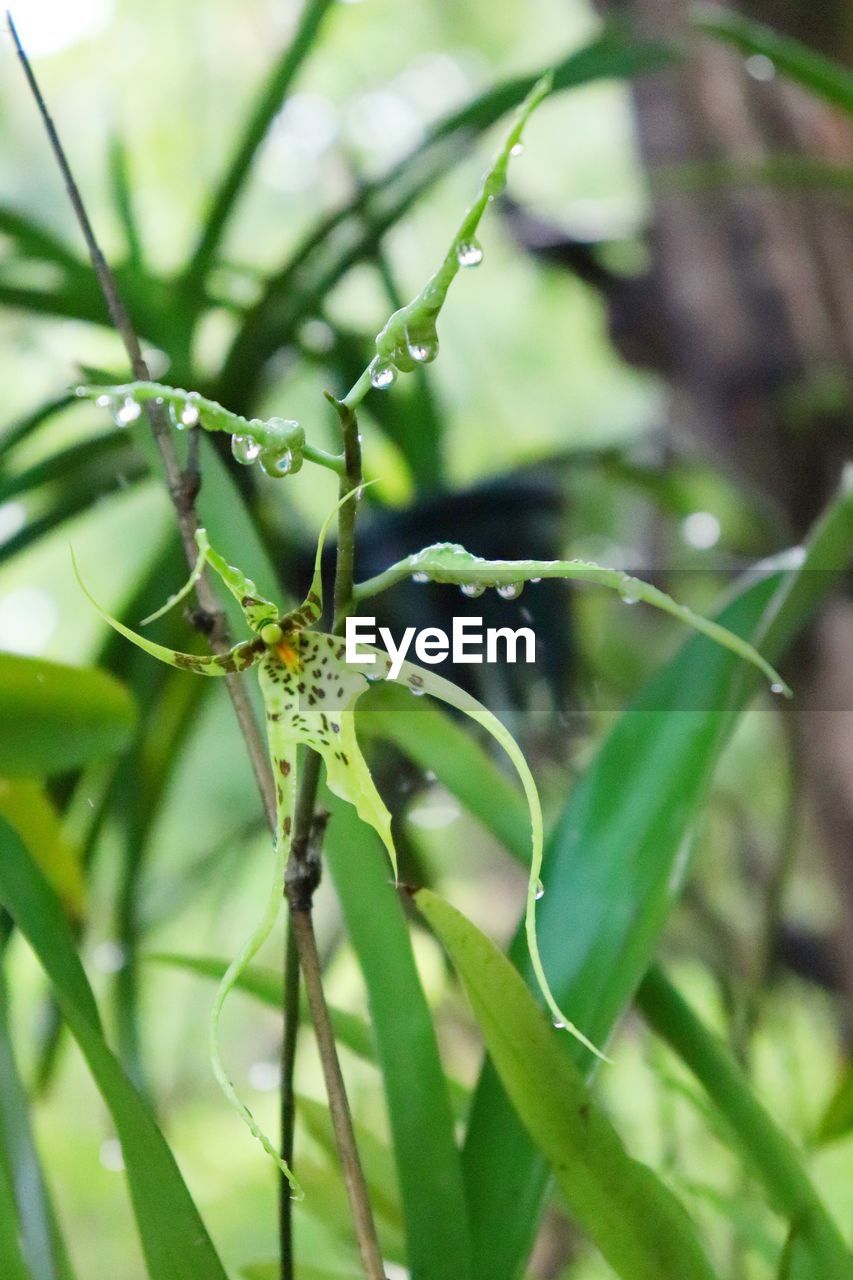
239,658
449,562
310,693
256,610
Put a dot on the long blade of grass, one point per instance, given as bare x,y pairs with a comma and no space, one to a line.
425,1151
173,1236
794,59
634,1219
267,105
30,1218
771,1153
615,862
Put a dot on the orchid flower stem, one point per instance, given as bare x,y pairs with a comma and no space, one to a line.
300,882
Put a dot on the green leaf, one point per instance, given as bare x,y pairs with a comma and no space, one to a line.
268,104
272,1271
378,1166
425,1151
773,1156
31,1215
616,859
634,1219
173,1236
56,717
27,807
837,1120
14,1266
450,563
828,79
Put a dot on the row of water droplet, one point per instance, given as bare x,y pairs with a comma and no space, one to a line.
422,348
506,590
245,449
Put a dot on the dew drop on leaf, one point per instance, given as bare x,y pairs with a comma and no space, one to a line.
127,413
469,253
276,464
628,591
422,349
245,450
510,590
420,577
539,891
472,589
384,375
189,417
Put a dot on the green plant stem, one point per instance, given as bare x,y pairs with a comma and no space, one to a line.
775,1158
302,878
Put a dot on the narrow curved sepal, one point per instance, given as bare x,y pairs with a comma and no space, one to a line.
238,658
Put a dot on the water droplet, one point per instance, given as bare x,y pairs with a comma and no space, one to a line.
104,402
516,149
539,891
760,67
189,417
417,690
510,590
245,450
472,589
558,1023
374,677
420,577
128,412
776,687
628,591
535,579
469,253
384,376
276,464
423,348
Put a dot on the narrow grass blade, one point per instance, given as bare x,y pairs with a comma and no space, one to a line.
616,859
634,1219
25,805
771,1154
173,1236
794,59
36,1227
425,1151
